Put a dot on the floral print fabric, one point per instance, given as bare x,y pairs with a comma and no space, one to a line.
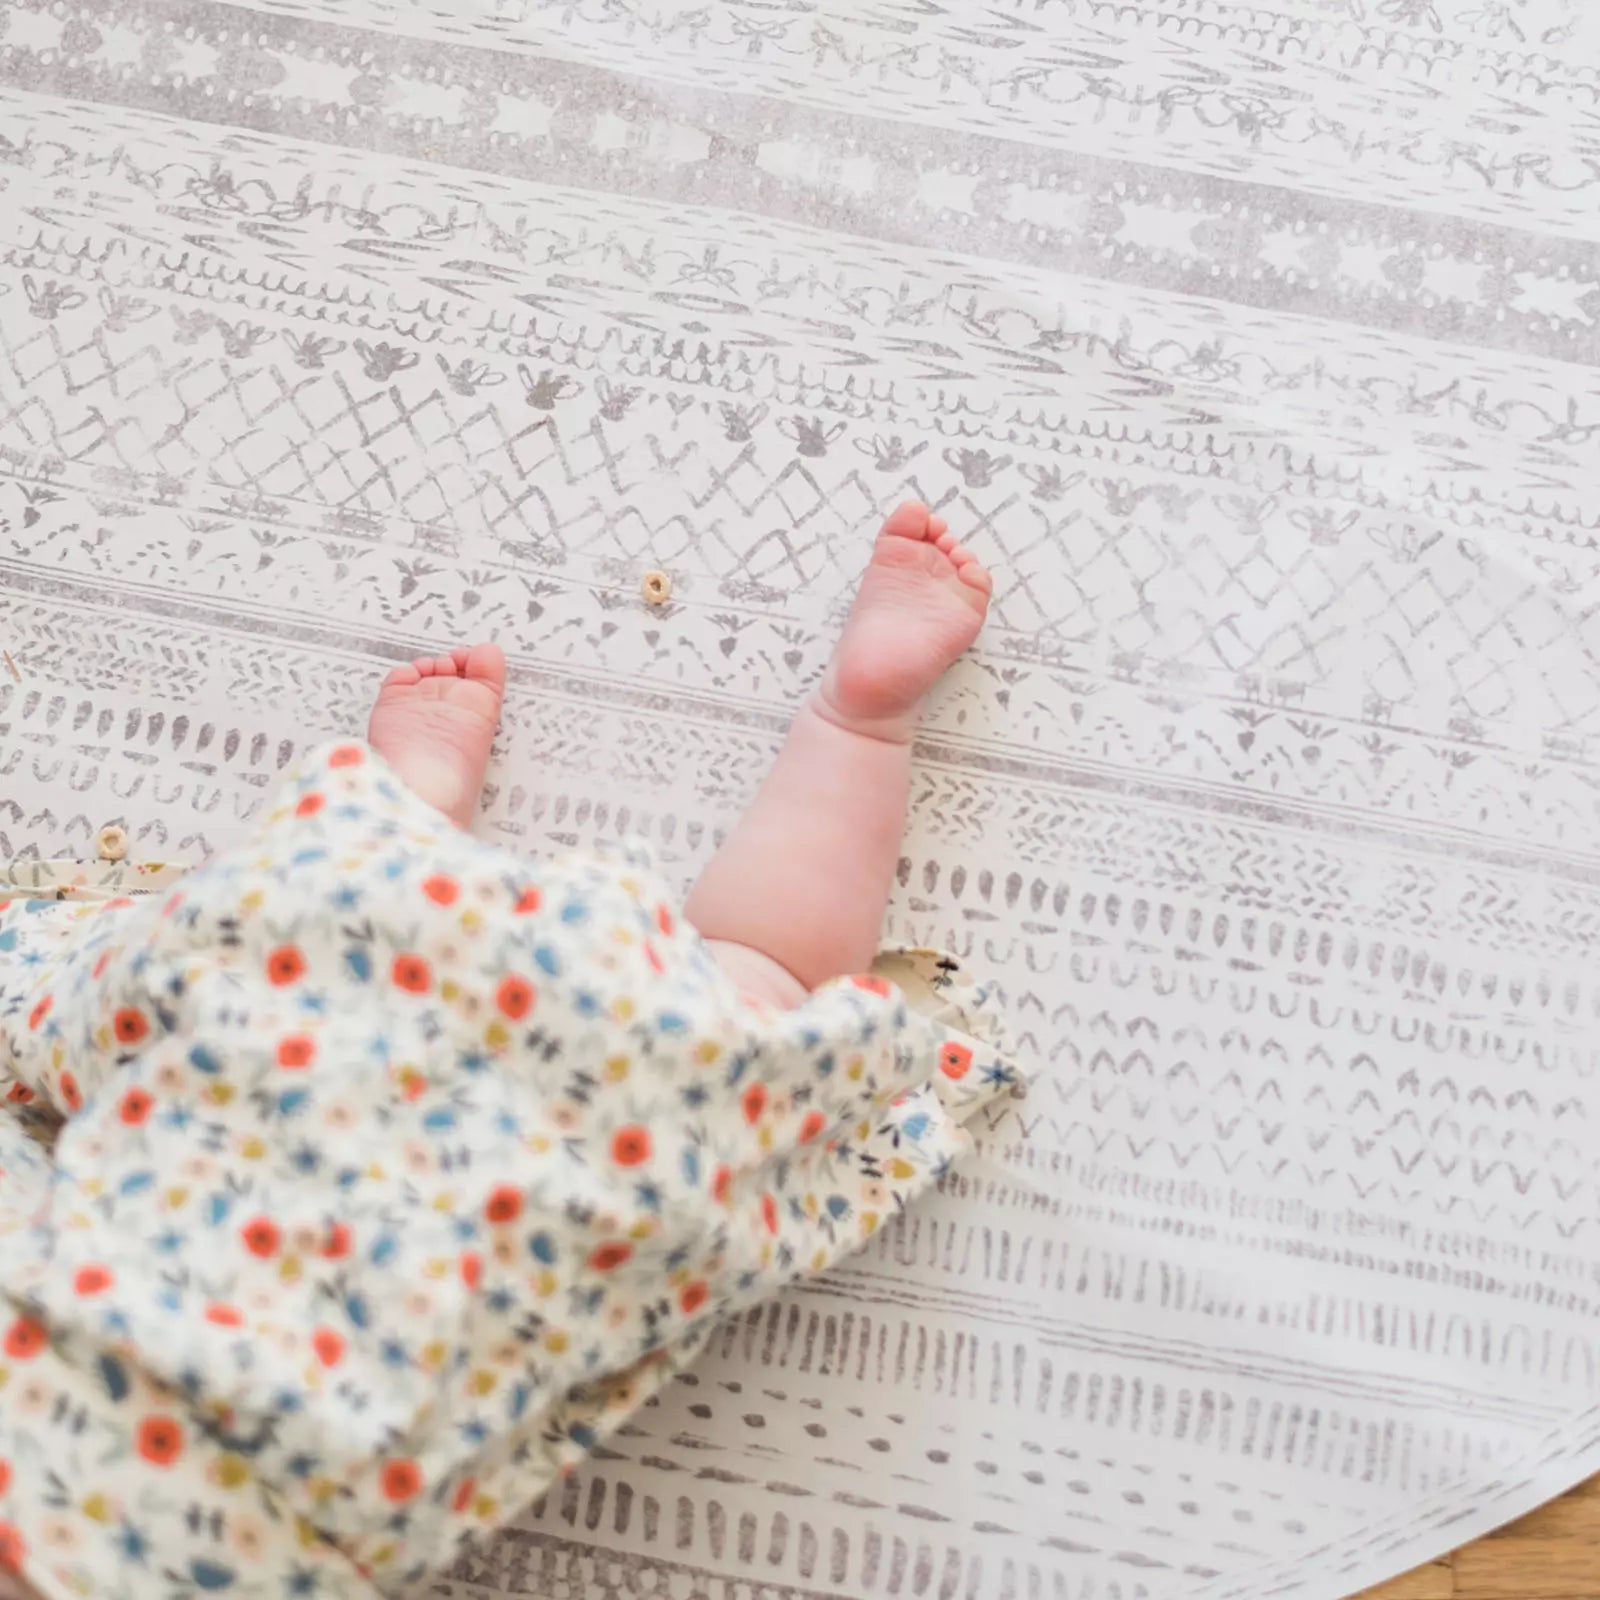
353,1185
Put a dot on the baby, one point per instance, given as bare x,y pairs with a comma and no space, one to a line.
353,1185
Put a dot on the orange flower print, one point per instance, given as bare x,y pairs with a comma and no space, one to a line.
694,1296
136,1107
529,900
630,1147
814,1123
721,1184
514,997
504,1205
297,1050
310,805
954,1060
753,1102
92,1281
347,755
224,1316
769,1212
464,1494
24,1339
39,1013
329,1346
261,1237
337,1245
129,1025
441,890
609,1256
20,1094
13,1548
159,1441
5,1475
411,973
285,965
401,1481
664,921
71,1094
471,1268
871,984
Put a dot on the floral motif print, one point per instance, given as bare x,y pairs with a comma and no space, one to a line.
356,1184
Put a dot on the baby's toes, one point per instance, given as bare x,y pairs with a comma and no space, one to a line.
406,676
976,576
909,520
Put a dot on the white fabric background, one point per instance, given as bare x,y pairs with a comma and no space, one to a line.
1255,346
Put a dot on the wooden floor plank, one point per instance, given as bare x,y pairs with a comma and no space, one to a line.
1573,1516
1529,1569
1551,1554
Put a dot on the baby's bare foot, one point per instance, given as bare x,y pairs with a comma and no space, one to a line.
920,605
433,722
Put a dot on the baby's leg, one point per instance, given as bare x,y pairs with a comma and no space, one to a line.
797,893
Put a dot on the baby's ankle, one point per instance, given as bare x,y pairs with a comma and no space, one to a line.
897,727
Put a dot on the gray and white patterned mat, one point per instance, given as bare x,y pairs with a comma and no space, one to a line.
1255,344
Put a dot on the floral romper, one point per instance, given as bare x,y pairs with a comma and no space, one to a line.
352,1186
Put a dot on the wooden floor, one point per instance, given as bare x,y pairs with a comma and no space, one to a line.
1552,1555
